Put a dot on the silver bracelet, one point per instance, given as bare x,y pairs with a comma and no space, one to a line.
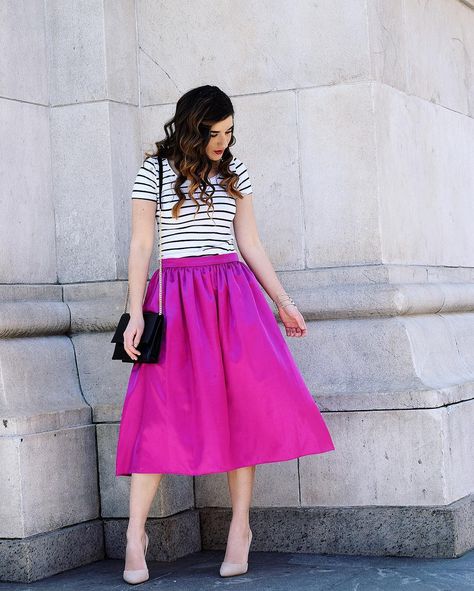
278,301
285,305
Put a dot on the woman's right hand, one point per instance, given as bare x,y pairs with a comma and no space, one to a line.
133,334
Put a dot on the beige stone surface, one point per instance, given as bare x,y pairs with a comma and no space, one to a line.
425,181
276,485
39,384
103,380
338,175
49,481
76,53
386,36
254,48
439,48
424,49
84,207
23,59
175,492
27,228
399,457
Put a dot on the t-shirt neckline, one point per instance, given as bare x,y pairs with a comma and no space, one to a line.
215,177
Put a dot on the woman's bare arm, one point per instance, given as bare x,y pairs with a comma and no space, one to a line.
141,247
253,253
251,248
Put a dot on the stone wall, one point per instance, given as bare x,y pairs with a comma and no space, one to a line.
355,121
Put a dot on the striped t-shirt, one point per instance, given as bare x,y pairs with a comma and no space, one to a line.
191,234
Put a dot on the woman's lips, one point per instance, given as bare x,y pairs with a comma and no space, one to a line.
218,151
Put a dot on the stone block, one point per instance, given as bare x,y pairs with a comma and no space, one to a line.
45,393
83,193
358,355
92,52
40,556
251,55
33,318
399,457
27,229
439,54
276,484
49,481
83,201
103,380
429,532
442,347
77,55
387,42
425,180
170,537
338,172
425,51
23,71
458,448
94,209
121,46
175,491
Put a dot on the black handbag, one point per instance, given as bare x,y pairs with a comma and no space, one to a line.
152,337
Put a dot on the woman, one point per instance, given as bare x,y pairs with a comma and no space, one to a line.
226,393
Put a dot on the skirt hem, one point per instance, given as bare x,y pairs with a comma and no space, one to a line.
234,467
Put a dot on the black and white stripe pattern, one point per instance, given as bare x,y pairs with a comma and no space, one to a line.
192,234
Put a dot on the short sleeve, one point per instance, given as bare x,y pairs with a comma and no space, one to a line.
146,182
244,185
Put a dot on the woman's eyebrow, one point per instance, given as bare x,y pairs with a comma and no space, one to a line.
215,130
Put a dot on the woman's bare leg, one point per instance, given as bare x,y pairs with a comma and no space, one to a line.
143,489
241,483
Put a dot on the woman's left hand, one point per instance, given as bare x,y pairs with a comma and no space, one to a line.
293,321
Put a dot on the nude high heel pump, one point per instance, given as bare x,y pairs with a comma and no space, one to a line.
139,575
229,569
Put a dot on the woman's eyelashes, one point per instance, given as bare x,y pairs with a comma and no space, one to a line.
227,133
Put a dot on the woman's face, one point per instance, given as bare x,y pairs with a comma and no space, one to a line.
221,134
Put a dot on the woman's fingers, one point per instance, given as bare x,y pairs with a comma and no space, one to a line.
131,341
302,327
295,325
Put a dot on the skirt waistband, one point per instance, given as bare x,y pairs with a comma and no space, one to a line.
193,261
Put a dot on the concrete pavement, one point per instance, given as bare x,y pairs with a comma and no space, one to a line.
273,571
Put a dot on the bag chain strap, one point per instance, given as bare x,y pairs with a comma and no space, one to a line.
160,296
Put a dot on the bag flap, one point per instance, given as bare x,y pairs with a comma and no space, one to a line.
121,326
152,321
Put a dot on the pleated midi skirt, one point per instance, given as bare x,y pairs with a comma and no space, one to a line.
225,392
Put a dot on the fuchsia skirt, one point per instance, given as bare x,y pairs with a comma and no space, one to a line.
226,391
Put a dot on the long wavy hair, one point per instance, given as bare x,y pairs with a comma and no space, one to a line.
187,135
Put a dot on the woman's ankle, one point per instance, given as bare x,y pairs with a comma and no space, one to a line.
135,534
240,524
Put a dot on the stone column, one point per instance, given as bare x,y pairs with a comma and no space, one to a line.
70,151
362,160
